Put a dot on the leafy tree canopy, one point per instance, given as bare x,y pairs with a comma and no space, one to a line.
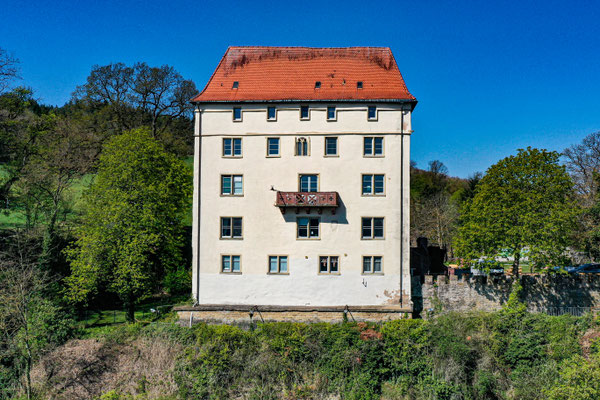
131,231
523,201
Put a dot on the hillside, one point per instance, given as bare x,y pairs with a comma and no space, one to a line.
504,355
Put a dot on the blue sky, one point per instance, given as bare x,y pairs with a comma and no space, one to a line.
490,77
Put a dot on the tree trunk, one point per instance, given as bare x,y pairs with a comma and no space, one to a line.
130,309
515,265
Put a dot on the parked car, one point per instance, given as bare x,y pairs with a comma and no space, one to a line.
587,269
569,268
487,267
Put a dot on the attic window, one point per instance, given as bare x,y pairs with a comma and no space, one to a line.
236,84
318,85
359,85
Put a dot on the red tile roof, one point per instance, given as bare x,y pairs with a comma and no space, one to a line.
290,73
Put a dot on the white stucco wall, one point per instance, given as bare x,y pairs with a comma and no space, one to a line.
267,232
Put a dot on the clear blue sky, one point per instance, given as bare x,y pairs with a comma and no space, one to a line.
490,76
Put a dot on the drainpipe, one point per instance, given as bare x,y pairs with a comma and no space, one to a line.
401,202
197,201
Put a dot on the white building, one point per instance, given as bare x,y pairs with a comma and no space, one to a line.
301,185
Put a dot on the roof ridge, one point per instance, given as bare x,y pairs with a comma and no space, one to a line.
309,47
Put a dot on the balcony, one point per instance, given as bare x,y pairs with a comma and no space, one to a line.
307,200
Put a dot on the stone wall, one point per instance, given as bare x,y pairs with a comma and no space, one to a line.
540,293
246,315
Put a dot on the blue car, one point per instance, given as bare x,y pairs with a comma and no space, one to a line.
587,269
569,268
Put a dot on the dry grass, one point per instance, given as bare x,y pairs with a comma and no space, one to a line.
84,369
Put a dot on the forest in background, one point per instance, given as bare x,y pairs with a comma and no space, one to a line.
94,205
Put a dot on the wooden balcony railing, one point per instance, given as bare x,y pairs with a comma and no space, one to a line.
307,200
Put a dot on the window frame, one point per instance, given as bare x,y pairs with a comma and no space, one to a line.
337,146
275,114
375,117
307,141
278,147
312,174
372,260
221,237
232,194
298,237
372,237
279,256
338,272
233,114
233,155
372,194
335,111
307,118
373,155
231,271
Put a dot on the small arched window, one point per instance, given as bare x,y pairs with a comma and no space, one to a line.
302,146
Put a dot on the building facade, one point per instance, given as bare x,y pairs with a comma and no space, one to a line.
301,182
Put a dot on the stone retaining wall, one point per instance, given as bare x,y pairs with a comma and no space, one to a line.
540,292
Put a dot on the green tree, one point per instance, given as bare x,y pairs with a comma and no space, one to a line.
131,233
523,201
591,224
140,95
31,320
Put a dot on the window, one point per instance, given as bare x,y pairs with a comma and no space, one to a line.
318,85
372,265
272,147
373,146
231,264
331,146
331,113
232,147
302,148
271,114
235,85
373,185
237,114
231,227
372,113
359,85
304,113
309,183
372,228
232,185
329,264
308,228
278,265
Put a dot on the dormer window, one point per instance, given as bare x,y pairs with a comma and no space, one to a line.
318,85
359,85
236,85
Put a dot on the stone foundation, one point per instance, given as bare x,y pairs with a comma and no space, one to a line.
245,315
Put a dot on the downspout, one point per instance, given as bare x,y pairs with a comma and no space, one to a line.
197,195
401,204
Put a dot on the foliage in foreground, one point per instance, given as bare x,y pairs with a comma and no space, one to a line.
131,235
504,355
